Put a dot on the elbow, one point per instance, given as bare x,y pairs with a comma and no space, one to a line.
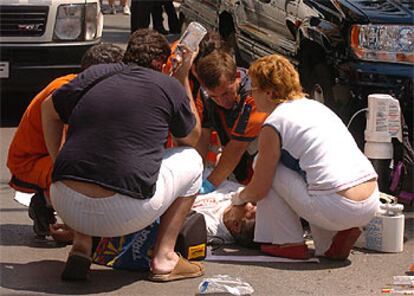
262,194
195,136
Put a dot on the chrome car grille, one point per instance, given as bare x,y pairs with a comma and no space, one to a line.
23,21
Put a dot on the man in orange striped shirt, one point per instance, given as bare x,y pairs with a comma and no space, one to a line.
231,111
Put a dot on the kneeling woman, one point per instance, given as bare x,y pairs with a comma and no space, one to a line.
308,166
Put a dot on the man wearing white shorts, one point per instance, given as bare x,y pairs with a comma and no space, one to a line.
112,175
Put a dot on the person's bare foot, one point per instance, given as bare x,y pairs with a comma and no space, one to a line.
164,264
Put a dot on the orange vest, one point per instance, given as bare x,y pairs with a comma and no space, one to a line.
28,159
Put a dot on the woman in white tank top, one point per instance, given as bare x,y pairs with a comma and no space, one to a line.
308,166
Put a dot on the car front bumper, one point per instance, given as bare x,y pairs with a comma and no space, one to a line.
31,67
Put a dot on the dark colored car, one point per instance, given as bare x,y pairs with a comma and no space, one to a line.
344,50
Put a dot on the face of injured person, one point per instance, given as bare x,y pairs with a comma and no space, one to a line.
237,216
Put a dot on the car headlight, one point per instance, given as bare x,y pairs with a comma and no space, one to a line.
385,43
69,22
91,21
77,22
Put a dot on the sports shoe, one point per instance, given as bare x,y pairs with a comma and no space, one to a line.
342,244
126,10
112,9
41,214
299,251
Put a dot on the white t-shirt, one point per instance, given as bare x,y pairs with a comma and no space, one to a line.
212,206
315,139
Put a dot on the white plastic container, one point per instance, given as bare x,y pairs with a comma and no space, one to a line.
385,232
383,124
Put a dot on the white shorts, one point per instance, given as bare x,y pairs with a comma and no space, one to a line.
278,214
179,176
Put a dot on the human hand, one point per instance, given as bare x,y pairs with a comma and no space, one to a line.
185,58
236,200
207,187
61,233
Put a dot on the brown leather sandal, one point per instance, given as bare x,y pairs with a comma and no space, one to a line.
183,270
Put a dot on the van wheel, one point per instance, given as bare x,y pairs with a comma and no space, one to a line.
320,85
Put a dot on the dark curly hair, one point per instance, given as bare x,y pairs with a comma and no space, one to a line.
102,54
147,48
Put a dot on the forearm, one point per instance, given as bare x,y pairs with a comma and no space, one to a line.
189,92
229,159
254,192
193,137
265,169
203,143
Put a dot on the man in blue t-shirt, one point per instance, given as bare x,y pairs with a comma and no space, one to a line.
112,176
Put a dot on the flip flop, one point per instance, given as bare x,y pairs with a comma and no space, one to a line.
183,270
77,267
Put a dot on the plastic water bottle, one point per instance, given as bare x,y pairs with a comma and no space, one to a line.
225,284
191,38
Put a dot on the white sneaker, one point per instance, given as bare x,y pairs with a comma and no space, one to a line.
126,10
113,9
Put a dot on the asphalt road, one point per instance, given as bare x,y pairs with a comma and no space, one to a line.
32,267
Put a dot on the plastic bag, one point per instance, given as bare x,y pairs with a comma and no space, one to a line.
224,283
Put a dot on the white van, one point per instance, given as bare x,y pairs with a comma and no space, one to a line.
43,39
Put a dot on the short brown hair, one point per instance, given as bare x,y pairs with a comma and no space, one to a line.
246,235
215,65
276,73
146,46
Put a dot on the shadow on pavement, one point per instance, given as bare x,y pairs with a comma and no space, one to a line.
324,264
409,228
235,250
23,235
44,276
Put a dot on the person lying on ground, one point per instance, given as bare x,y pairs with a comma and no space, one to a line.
227,223
28,159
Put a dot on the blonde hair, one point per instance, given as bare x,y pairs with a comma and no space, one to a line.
276,73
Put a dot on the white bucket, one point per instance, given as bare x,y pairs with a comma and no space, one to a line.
385,232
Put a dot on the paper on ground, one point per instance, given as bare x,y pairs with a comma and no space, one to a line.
23,198
255,258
